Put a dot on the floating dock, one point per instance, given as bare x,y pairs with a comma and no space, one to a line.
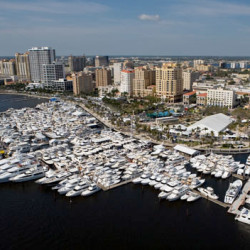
220,203
234,208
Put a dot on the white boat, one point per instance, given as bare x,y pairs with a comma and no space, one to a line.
68,186
244,216
12,172
218,174
78,189
233,191
226,175
193,197
197,183
177,193
93,188
163,195
31,174
185,196
209,192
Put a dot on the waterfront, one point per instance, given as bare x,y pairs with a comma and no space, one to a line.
129,217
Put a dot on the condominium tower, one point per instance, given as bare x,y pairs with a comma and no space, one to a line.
23,66
77,63
101,61
144,77
103,77
82,83
127,77
169,82
37,57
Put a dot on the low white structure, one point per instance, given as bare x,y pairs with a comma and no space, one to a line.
186,150
213,123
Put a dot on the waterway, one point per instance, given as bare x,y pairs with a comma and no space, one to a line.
129,217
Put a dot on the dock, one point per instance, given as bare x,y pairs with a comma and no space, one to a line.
220,203
115,185
234,208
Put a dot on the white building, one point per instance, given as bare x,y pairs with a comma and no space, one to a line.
212,124
221,97
37,57
127,77
188,78
52,72
62,85
117,72
198,62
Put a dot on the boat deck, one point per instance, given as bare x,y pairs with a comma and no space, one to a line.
234,208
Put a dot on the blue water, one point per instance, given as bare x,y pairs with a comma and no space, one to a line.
129,217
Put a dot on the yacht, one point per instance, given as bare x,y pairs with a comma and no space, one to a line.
163,195
233,191
193,197
177,193
244,216
93,188
13,172
78,189
68,186
209,192
31,174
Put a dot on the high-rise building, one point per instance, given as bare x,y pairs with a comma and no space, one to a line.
103,77
144,77
23,66
188,78
127,77
169,82
117,72
52,72
37,57
7,68
62,85
77,63
82,83
101,61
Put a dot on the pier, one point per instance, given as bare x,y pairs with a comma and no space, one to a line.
220,203
115,185
234,208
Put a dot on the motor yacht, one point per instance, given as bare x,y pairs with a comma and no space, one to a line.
177,193
244,216
93,188
209,192
233,191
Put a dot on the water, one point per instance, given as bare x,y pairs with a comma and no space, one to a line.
129,217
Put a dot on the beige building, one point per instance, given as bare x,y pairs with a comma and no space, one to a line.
189,98
169,82
103,77
7,68
23,66
82,83
201,99
204,67
189,77
144,78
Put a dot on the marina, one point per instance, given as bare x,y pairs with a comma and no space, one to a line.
143,195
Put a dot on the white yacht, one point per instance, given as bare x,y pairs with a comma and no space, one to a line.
31,174
233,191
193,197
244,216
209,192
93,188
78,189
177,193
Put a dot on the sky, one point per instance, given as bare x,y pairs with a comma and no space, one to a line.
127,27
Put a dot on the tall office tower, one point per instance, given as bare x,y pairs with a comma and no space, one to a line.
117,72
101,61
37,57
77,63
52,72
23,66
198,62
82,83
143,79
7,68
189,77
127,77
103,77
169,82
